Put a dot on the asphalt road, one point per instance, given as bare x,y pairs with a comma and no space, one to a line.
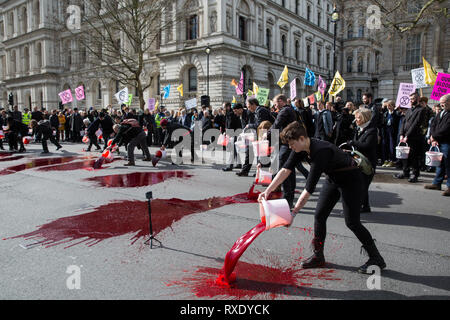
95,237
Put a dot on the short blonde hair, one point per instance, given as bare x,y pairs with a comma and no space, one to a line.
366,114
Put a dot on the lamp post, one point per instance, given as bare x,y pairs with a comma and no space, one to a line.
334,18
208,51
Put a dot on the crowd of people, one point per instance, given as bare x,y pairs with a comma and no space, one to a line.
376,133
343,141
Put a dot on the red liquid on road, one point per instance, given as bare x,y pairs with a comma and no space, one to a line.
11,158
5,154
121,218
137,179
255,281
236,252
36,163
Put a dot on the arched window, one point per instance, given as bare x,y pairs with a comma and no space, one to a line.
192,79
360,64
350,95
350,31
350,64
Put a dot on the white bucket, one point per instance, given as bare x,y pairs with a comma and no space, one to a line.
2,135
433,158
250,136
27,140
402,152
276,213
223,140
240,145
263,178
261,148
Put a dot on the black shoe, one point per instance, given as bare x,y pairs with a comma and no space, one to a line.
401,176
315,261
227,169
375,259
242,174
60,147
129,164
413,179
22,150
45,152
366,209
239,166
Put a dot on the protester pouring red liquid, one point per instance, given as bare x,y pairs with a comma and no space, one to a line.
344,177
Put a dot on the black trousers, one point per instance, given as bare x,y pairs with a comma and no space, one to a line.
288,184
415,154
367,182
93,141
52,138
350,186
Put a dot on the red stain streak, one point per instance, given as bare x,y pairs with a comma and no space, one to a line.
11,158
263,282
86,164
120,218
5,154
137,179
36,163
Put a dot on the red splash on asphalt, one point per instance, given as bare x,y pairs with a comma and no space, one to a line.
254,281
137,179
36,163
125,217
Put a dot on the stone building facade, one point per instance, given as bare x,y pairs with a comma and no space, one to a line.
256,37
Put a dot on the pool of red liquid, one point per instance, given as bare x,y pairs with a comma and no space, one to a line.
137,179
36,163
254,281
125,217
6,159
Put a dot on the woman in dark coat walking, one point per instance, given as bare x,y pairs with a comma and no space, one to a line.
365,141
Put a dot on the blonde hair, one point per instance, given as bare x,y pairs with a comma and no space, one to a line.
263,127
366,114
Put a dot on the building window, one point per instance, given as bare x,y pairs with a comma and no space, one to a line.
242,27
192,79
350,64
328,60
99,96
359,96
319,18
413,50
361,31
308,13
360,64
349,95
268,38
308,53
283,3
297,50
192,27
350,31
296,6
283,45
319,57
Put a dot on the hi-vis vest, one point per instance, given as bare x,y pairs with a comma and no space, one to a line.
26,118
158,119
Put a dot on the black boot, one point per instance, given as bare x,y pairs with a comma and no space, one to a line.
375,258
318,259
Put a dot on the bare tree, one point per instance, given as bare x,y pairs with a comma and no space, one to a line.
405,15
120,36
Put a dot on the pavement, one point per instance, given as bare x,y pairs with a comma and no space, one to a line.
88,255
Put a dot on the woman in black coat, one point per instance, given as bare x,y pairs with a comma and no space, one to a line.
365,141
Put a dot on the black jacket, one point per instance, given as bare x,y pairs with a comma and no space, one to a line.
44,128
440,127
366,141
107,125
171,127
232,121
261,114
127,131
54,121
18,127
285,117
412,124
93,127
306,117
